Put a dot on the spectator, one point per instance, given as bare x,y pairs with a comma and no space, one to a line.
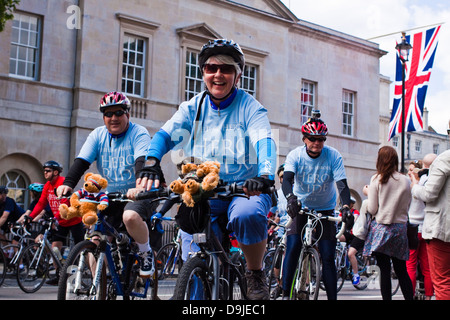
436,224
389,199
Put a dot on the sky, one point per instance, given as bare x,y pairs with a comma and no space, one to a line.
382,22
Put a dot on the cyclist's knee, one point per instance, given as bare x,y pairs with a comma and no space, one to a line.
130,216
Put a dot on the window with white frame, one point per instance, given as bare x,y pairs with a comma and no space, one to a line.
307,100
436,148
17,185
248,80
193,78
133,65
25,46
348,109
395,141
418,145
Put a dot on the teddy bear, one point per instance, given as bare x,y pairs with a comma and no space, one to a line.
197,181
86,201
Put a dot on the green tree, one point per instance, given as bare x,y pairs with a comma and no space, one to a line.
6,11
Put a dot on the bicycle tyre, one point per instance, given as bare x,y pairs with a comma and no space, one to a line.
3,267
11,267
307,283
76,269
237,278
365,271
34,262
165,260
188,286
274,276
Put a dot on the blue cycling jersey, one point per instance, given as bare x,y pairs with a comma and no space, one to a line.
238,136
315,179
116,155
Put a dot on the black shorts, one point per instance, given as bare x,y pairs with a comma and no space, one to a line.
357,243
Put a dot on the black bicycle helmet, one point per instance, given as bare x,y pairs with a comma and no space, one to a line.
53,165
3,189
221,46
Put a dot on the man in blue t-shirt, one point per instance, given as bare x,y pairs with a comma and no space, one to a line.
119,148
9,210
311,174
227,125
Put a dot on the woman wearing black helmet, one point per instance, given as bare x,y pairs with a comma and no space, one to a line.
225,124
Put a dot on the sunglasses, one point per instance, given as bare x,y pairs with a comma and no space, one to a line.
224,68
321,139
117,113
48,170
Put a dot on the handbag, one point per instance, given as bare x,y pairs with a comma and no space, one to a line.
412,231
361,226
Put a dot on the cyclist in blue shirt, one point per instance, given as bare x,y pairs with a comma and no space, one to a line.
119,148
9,211
311,174
225,124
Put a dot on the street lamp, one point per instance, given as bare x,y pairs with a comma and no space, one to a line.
403,50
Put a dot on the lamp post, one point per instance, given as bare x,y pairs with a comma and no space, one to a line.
403,49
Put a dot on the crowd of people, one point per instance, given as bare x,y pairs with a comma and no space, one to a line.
313,175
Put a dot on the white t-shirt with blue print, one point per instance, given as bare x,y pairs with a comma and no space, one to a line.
315,179
233,136
116,155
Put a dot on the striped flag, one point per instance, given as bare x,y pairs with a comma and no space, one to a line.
417,76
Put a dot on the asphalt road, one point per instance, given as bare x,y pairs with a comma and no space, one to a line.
10,291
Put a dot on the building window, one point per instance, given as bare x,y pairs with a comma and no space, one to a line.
133,65
25,46
418,145
395,141
348,109
307,98
17,187
248,80
436,148
193,77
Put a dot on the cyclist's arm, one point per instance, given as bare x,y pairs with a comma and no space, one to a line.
288,182
344,192
76,171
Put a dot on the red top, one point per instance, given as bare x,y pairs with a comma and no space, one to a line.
48,197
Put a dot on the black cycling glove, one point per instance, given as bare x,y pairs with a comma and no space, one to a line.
152,170
347,218
260,184
293,205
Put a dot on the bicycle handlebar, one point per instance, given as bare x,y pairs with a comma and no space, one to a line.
319,216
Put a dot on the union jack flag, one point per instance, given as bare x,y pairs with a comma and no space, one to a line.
417,76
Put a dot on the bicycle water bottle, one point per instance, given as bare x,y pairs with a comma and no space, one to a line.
65,253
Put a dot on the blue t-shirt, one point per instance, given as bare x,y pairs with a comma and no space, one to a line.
116,155
238,136
15,212
315,179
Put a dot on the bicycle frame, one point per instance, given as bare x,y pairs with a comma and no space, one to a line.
45,245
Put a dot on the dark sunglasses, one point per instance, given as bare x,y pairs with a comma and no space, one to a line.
224,68
118,113
48,170
321,139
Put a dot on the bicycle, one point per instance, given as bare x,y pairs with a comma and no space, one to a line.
12,251
305,285
105,265
168,257
36,260
276,265
212,273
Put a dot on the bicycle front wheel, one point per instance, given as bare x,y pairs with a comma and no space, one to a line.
274,276
2,267
307,278
32,267
192,282
167,261
76,281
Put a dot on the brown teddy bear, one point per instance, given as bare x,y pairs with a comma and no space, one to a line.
197,181
86,201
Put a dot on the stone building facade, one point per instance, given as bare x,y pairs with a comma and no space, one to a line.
57,59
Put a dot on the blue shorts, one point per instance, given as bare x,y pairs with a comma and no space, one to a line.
247,218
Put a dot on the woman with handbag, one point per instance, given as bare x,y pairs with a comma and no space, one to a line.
389,200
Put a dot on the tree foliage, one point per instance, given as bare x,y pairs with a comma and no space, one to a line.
6,11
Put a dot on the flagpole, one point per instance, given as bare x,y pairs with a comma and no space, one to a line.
403,49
